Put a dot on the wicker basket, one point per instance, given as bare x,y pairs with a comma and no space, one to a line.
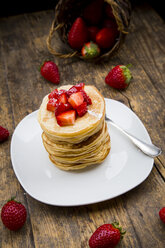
68,10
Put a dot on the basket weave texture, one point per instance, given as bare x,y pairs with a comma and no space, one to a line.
68,10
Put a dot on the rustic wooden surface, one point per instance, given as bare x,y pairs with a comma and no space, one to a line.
22,49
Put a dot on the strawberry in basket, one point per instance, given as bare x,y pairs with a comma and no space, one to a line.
78,34
103,23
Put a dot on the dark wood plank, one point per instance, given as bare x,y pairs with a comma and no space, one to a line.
148,31
134,210
145,49
23,48
9,184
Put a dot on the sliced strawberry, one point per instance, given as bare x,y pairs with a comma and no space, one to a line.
61,92
61,107
82,109
63,98
79,86
53,94
76,99
66,118
76,88
51,105
71,91
87,99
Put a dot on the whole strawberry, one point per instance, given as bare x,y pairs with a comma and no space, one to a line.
106,37
111,23
162,214
78,34
92,31
4,134
106,236
50,72
93,12
108,10
13,215
90,50
119,77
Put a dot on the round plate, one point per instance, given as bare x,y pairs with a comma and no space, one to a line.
124,168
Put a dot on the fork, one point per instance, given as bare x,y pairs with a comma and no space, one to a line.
149,149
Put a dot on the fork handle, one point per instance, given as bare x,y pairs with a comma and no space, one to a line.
149,149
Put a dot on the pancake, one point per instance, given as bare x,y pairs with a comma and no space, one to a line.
84,126
94,161
85,143
83,146
95,155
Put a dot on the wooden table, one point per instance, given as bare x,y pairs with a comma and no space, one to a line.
23,48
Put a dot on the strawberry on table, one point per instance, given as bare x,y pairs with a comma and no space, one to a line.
13,215
105,38
106,236
66,118
51,105
90,50
50,72
119,77
82,109
78,34
162,214
76,99
4,134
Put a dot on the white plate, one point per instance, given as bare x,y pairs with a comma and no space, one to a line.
124,168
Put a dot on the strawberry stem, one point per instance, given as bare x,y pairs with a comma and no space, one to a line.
129,65
13,199
115,224
46,60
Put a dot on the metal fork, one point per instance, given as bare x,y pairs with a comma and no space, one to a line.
149,149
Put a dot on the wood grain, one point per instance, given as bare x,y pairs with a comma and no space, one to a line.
23,48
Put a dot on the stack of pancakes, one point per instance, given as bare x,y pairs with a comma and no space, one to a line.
85,143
